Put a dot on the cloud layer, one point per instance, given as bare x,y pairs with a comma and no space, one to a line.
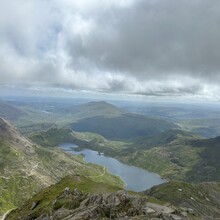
150,47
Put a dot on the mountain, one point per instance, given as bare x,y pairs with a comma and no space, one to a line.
125,126
78,198
92,109
177,155
26,168
208,127
164,138
10,112
201,199
173,154
208,167
52,137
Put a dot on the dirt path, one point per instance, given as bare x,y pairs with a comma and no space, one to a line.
102,174
4,216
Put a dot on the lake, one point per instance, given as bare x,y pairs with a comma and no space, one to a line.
135,179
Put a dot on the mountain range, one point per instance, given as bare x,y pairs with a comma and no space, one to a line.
46,183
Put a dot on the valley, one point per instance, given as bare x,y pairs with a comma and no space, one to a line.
129,174
25,168
155,143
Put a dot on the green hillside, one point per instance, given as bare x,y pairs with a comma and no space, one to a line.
126,126
78,198
26,168
208,167
200,199
173,154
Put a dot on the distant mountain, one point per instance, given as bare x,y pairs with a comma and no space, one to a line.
164,138
10,112
26,168
201,200
207,127
124,126
92,109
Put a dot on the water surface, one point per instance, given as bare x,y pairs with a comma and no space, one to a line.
135,179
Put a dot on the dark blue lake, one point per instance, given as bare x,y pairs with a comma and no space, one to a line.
135,179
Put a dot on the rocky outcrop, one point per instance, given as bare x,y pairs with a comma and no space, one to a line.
75,205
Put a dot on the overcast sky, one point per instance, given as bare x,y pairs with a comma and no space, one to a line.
148,47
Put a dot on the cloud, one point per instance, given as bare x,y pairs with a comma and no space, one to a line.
150,47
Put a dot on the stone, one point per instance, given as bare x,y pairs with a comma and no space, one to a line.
34,205
175,217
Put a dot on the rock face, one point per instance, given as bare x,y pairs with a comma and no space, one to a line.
75,205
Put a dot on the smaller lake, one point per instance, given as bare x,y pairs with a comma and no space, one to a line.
135,179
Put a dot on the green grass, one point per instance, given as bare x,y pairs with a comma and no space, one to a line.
202,198
52,137
46,196
170,154
22,174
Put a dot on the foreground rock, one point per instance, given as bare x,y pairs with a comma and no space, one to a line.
75,205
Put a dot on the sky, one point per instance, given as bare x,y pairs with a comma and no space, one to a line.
152,48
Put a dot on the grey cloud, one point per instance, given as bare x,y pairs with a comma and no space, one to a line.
154,37
145,46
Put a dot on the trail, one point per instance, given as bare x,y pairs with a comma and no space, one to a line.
100,175
33,169
4,216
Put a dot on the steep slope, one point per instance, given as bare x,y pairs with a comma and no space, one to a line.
201,199
208,167
9,111
164,138
182,156
125,126
26,168
78,198
169,154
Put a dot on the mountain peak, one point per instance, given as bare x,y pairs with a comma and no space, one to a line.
95,108
100,104
9,134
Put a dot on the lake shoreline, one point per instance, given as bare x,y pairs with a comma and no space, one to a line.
135,178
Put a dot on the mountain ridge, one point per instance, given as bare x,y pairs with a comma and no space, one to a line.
9,111
25,168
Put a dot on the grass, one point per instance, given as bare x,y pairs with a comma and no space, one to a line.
52,137
23,174
202,198
46,196
169,154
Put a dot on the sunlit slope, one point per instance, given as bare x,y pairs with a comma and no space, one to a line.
78,198
26,168
200,199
